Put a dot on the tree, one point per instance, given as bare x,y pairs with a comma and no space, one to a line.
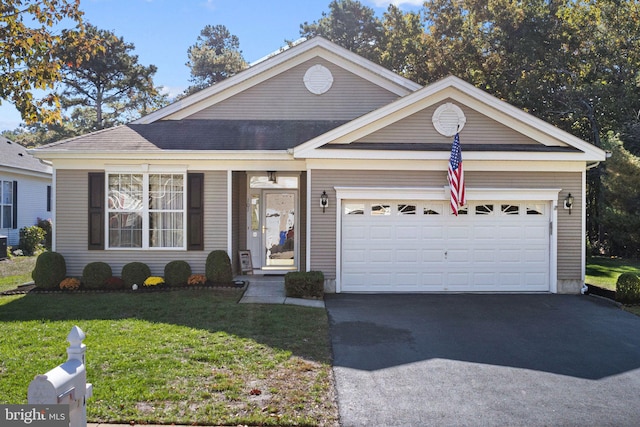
215,57
621,211
349,24
110,87
401,46
27,53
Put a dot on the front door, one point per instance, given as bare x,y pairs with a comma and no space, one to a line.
278,238
272,224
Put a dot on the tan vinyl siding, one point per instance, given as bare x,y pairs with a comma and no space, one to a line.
285,97
418,128
72,226
323,225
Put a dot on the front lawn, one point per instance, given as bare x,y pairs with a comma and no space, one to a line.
184,357
16,271
603,272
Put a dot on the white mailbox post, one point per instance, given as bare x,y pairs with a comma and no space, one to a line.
67,383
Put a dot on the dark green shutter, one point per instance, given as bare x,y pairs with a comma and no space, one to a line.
15,205
96,210
195,211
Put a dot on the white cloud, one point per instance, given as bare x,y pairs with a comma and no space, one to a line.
171,91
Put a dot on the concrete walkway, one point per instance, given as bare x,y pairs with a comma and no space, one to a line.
270,290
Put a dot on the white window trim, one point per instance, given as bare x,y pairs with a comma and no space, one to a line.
145,170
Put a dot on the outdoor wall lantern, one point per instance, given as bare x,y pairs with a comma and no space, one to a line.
272,176
324,201
568,202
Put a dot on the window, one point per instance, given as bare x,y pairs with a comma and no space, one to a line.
510,209
406,209
6,204
484,209
354,208
146,210
535,209
378,209
432,209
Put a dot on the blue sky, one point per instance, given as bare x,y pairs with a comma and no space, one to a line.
163,30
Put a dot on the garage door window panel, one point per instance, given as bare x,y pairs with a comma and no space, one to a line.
484,209
379,209
406,209
510,209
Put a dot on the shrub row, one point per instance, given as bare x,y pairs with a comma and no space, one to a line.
50,272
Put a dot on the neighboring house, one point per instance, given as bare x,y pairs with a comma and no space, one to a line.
25,190
245,163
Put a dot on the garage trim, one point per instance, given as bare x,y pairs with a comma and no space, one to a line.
549,195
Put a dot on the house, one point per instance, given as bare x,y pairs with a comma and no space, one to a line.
317,159
25,190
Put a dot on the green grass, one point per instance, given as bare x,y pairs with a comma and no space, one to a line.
16,271
635,309
603,272
184,357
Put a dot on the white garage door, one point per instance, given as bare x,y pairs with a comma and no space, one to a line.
419,246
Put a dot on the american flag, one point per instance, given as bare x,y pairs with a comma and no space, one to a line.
456,176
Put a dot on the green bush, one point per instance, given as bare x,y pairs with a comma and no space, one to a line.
176,273
95,275
628,288
46,225
31,239
218,267
298,284
135,273
50,270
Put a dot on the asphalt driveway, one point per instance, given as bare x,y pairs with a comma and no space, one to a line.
484,360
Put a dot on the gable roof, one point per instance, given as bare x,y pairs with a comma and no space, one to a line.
552,139
14,157
277,64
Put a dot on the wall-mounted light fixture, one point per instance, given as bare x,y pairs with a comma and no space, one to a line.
324,201
272,176
568,203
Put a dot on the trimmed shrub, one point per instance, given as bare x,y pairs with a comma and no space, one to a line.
46,225
96,274
298,284
218,267
176,273
628,288
114,283
50,270
70,284
31,239
135,273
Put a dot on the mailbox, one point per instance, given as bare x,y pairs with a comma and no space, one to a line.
66,384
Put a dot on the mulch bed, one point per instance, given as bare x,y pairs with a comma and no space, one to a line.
594,290
33,289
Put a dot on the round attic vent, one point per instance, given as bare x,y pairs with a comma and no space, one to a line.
318,79
448,119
